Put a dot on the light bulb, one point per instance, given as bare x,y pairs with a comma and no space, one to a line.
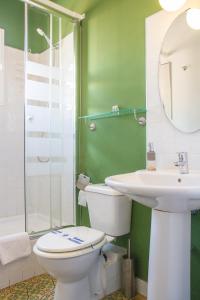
172,5
193,18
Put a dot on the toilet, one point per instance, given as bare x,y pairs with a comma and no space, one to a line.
70,254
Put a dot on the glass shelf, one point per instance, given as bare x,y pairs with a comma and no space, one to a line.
111,114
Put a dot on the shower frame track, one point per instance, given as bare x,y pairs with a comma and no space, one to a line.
49,5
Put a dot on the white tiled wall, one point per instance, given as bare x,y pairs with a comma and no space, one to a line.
166,138
12,135
20,270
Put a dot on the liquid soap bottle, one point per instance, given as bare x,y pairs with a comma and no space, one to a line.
151,158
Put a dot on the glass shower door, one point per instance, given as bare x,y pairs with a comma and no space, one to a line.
50,106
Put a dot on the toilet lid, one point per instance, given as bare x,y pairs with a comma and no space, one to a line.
69,239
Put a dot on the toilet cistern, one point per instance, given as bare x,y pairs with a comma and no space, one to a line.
182,163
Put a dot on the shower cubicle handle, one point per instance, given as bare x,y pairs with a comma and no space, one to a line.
30,118
43,160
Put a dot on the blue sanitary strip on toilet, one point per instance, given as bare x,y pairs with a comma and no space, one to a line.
79,240
75,239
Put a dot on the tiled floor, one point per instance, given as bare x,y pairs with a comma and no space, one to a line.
42,288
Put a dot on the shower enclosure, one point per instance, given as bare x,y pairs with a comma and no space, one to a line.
37,115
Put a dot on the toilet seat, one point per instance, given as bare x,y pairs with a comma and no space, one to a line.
69,242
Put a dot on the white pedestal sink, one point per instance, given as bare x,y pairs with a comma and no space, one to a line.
171,196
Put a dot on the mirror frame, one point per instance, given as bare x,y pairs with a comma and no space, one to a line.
159,89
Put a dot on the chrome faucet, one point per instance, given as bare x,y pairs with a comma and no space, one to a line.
182,162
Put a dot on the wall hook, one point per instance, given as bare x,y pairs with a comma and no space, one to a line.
92,126
141,120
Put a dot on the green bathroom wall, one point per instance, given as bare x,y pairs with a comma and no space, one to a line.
195,258
113,72
80,6
12,20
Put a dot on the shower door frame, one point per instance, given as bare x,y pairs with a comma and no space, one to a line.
51,14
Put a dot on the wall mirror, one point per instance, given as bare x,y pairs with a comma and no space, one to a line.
179,75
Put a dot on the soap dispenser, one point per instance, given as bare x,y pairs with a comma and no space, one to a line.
151,158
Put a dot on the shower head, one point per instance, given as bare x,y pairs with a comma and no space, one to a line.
40,31
43,34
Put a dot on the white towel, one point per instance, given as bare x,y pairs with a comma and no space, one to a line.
14,246
82,199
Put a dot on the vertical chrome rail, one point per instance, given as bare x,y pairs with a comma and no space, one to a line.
61,110
50,115
25,112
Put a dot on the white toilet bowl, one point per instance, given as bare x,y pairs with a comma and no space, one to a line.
70,254
57,253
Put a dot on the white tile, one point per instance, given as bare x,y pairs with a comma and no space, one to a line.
4,277
15,274
28,272
167,139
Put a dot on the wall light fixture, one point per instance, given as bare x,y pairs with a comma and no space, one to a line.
172,5
193,18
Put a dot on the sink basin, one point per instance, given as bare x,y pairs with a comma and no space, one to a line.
165,190
171,196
